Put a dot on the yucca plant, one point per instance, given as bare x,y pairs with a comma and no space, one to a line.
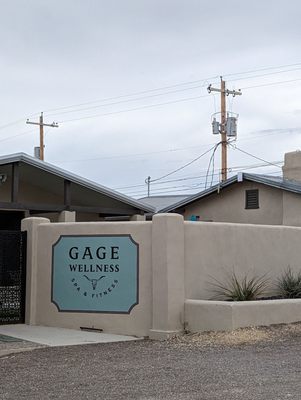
289,284
239,289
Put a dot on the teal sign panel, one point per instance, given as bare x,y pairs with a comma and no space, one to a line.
95,274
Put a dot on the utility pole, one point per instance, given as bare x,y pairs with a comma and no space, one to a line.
223,131
148,181
41,124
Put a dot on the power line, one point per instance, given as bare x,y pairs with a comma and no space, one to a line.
197,185
134,109
147,153
135,154
166,190
262,69
128,100
15,122
171,86
15,136
209,164
271,84
168,102
267,74
133,94
169,189
167,150
252,155
167,87
173,191
230,170
183,166
158,94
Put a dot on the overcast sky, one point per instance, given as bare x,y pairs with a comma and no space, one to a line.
94,55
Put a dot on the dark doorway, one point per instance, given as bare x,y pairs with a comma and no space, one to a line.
11,220
12,276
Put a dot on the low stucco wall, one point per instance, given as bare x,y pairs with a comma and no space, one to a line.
213,250
138,322
202,315
159,312
176,260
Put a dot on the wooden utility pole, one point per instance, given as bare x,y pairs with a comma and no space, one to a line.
223,131
148,181
41,124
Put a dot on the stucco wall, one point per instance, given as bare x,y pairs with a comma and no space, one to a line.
138,322
213,249
229,206
291,209
177,260
79,216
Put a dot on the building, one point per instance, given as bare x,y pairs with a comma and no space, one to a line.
31,187
249,198
159,202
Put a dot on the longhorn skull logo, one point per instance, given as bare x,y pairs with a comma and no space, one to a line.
94,281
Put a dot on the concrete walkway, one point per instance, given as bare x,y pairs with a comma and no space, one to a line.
59,336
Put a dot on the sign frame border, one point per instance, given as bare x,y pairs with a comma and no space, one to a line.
89,311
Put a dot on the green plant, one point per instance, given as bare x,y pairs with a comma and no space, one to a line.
289,284
239,289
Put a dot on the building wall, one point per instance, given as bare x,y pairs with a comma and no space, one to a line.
5,188
215,250
291,209
137,322
177,261
29,193
159,312
229,206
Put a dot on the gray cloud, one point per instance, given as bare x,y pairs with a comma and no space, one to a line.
59,53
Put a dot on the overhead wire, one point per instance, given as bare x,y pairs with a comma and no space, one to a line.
262,69
252,155
198,184
128,100
175,191
230,170
183,166
213,168
209,164
195,187
134,109
167,87
168,102
167,150
174,86
270,84
18,135
262,75
133,94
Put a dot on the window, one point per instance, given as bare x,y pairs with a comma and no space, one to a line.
252,199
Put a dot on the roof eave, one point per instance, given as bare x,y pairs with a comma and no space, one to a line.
199,195
22,157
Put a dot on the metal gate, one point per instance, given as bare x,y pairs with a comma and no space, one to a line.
12,276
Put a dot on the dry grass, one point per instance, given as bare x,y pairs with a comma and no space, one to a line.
241,336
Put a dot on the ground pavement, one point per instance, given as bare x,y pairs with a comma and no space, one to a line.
248,364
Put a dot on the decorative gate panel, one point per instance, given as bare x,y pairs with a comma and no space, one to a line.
12,276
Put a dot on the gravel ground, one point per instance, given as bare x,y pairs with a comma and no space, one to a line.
262,363
11,347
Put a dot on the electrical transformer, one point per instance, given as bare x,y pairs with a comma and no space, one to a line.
215,127
231,126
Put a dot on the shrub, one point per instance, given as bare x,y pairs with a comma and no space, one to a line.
289,284
244,289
